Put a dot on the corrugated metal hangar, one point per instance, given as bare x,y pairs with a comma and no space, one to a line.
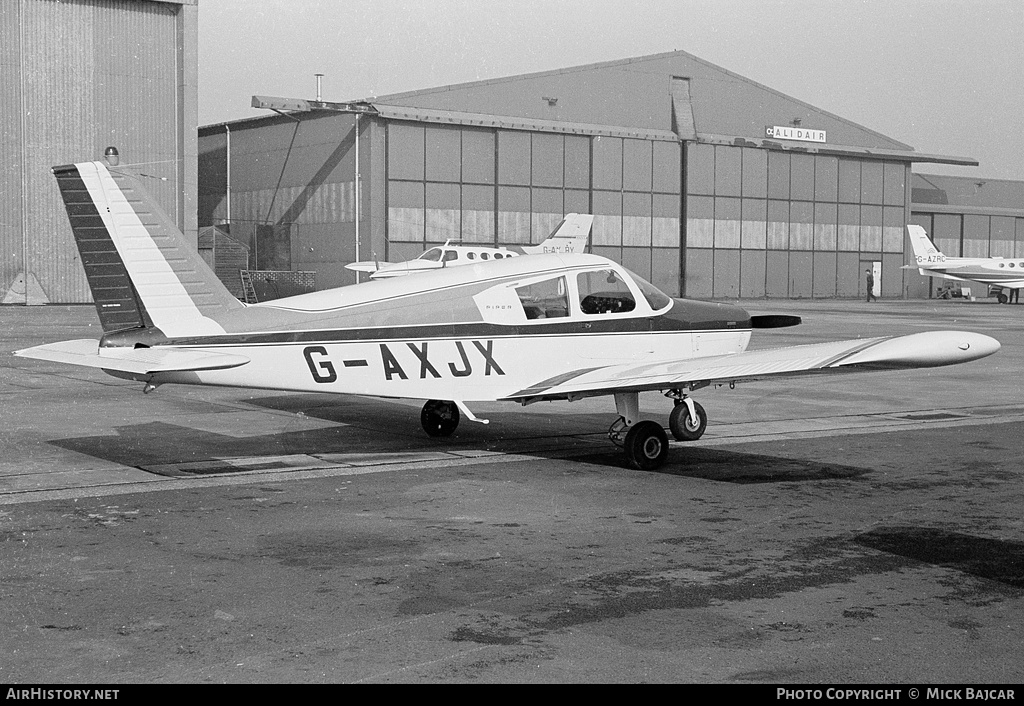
76,77
707,183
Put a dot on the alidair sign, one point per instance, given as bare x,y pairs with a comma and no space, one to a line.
794,133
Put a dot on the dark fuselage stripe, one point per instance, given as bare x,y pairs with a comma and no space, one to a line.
420,333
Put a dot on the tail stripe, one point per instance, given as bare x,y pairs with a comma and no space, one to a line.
117,303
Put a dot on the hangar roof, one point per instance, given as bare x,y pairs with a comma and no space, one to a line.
668,96
643,94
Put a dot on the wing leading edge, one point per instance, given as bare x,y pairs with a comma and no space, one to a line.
919,350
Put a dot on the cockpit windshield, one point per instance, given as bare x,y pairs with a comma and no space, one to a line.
654,296
434,255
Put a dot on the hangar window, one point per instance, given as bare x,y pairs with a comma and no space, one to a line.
604,292
544,300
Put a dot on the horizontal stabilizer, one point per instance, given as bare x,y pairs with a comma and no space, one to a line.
365,266
140,361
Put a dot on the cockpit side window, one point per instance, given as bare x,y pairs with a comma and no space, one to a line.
604,292
544,300
451,255
434,255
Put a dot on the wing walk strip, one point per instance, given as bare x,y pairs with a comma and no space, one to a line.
261,469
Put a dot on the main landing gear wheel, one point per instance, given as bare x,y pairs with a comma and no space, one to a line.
646,445
1002,298
439,417
684,427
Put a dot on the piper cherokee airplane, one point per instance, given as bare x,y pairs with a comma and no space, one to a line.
525,329
992,271
569,236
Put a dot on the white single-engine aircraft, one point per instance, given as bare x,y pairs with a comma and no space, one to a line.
569,236
524,329
992,271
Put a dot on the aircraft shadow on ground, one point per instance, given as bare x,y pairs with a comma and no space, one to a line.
739,468
369,426
537,420
987,558
366,427
156,443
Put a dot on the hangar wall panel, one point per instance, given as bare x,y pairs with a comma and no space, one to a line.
513,187
744,202
82,76
12,264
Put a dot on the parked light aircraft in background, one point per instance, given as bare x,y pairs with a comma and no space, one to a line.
998,272
570,236
523,329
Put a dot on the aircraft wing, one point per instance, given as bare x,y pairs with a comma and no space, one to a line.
919,350
140,361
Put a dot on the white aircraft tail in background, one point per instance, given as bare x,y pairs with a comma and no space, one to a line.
557,326
569,236
993,271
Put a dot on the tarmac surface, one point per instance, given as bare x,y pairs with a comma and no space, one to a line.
864,528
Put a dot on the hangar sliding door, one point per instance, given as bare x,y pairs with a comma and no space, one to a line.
788,224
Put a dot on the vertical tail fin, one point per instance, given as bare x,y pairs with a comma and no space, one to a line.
142,273
570,236
925,251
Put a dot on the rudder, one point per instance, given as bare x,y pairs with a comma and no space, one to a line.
141,271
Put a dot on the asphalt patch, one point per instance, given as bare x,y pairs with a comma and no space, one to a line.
987,558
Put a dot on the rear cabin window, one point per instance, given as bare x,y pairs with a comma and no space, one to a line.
604,292
544,300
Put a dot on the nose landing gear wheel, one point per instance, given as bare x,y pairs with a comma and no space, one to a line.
439,418
683,426
646,445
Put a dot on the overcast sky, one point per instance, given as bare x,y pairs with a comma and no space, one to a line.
944,76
